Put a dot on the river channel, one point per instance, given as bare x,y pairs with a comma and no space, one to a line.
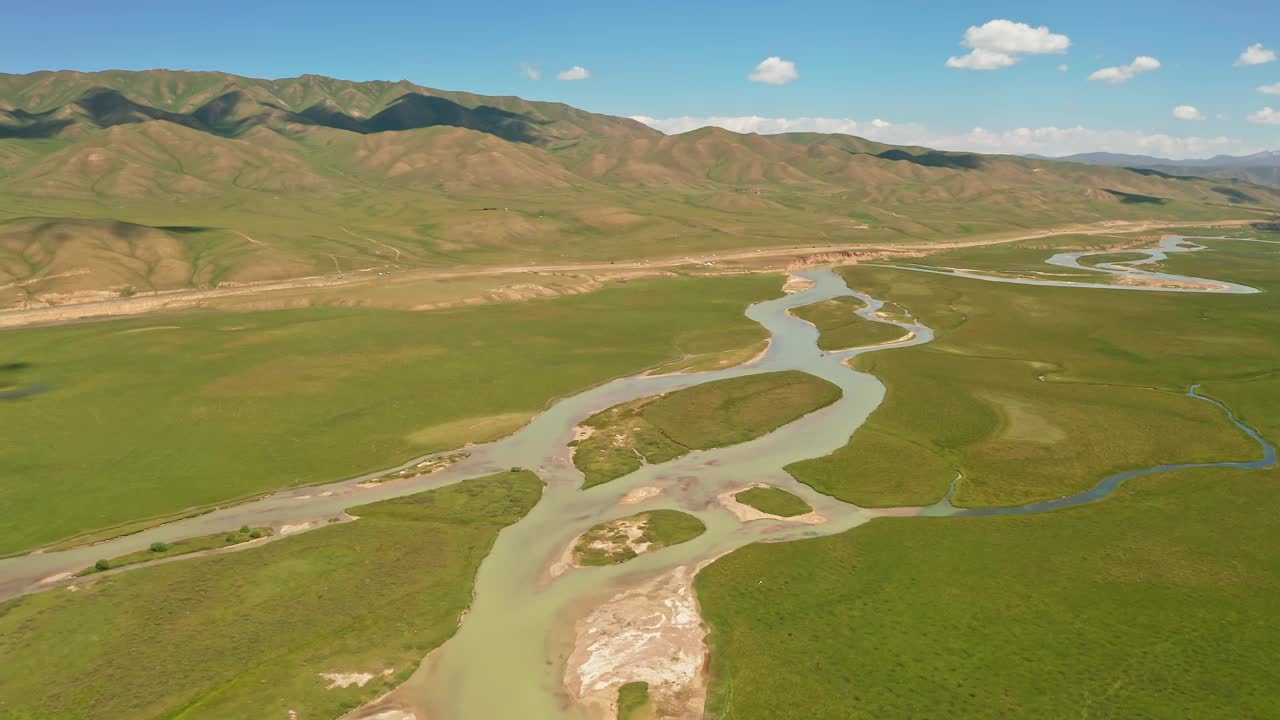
510,655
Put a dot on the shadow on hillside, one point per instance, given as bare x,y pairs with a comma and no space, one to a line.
1235,195
233,113
1136,199
954,161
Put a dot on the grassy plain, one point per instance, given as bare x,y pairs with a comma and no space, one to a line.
711,415
1033,393
1115,257
774,501
1152,604
147,417
248,634
840,328
615,541
714,361
180,547
633,702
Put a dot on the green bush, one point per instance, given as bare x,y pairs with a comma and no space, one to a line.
102,565
244,529
255,534
159,547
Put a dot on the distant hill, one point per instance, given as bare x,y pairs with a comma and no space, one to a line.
129,182
1262,168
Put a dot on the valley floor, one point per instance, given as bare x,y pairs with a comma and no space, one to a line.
1146,603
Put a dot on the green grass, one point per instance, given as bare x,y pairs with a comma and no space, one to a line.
711,415
1115,257
229,405
1033,393
633,702
1153,604
609,543
774,501
160,551
714,361
840,328
246,634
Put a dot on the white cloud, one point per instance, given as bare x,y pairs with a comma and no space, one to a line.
774,71
1063,67
1001,43
1269,89
1052,141
980,59
1125,73
533,72
577,72
1187,112
1256,55
1266,116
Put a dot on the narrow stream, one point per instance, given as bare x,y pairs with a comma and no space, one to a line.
508,658
1123,271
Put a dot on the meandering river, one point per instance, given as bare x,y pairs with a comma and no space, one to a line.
508,658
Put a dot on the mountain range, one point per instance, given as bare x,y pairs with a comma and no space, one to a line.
123,182
1262,168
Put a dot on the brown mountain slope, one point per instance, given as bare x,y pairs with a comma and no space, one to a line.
313,175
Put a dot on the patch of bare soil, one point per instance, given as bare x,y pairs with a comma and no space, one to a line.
640,494
1140,280
615,539
345,680
652,633
795,284
746,513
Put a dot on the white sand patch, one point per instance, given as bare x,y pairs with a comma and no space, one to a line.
795,284
344,680
56,578
582,432
640,494
652,633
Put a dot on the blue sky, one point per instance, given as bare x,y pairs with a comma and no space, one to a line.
686,63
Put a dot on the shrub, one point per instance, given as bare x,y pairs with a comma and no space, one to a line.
232,538
255,534
159,547
102,565
244,529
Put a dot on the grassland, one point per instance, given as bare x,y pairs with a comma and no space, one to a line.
1032,393
248,634
633,702
714,361
1152,604
145,418
159,551
839,328
774,501
711,415
616,541
1116,257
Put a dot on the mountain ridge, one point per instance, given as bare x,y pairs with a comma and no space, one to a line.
311,175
